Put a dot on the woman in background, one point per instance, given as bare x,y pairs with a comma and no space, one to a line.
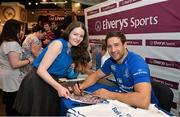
40,91
11,63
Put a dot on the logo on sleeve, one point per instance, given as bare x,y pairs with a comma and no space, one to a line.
126,73
113,68
140,71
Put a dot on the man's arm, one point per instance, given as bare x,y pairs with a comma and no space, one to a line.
90,80
139,98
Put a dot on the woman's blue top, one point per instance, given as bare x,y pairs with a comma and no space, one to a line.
61,64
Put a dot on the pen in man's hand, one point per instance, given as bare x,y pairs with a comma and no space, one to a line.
79,88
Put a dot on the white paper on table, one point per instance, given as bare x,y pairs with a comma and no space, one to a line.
81,77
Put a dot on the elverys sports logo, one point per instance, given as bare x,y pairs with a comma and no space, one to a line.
98,26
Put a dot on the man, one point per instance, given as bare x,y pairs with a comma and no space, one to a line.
49,34
130,71
55,29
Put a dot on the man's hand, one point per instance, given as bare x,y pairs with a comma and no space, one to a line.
77,89
46,41
103,93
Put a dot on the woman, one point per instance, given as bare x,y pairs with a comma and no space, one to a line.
32,44
39,92
11,63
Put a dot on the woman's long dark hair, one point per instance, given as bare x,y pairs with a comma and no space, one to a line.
80,53
10,30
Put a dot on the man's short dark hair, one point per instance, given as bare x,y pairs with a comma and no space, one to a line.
116,34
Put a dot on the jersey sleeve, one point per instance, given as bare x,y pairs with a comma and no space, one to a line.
106,68
140,71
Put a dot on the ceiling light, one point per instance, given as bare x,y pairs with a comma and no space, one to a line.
54,2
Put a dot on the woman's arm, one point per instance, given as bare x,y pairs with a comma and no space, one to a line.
16,62
53,51
36,49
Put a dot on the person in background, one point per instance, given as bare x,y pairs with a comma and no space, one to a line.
85,68
39,22
130,71
40,90
98,56
22,33
86,59
49,34
104,54
11,63
32,44
89,67
55,29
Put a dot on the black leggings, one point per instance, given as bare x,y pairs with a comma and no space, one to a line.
8,100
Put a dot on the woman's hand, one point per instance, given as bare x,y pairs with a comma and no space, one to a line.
63,92
30,59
